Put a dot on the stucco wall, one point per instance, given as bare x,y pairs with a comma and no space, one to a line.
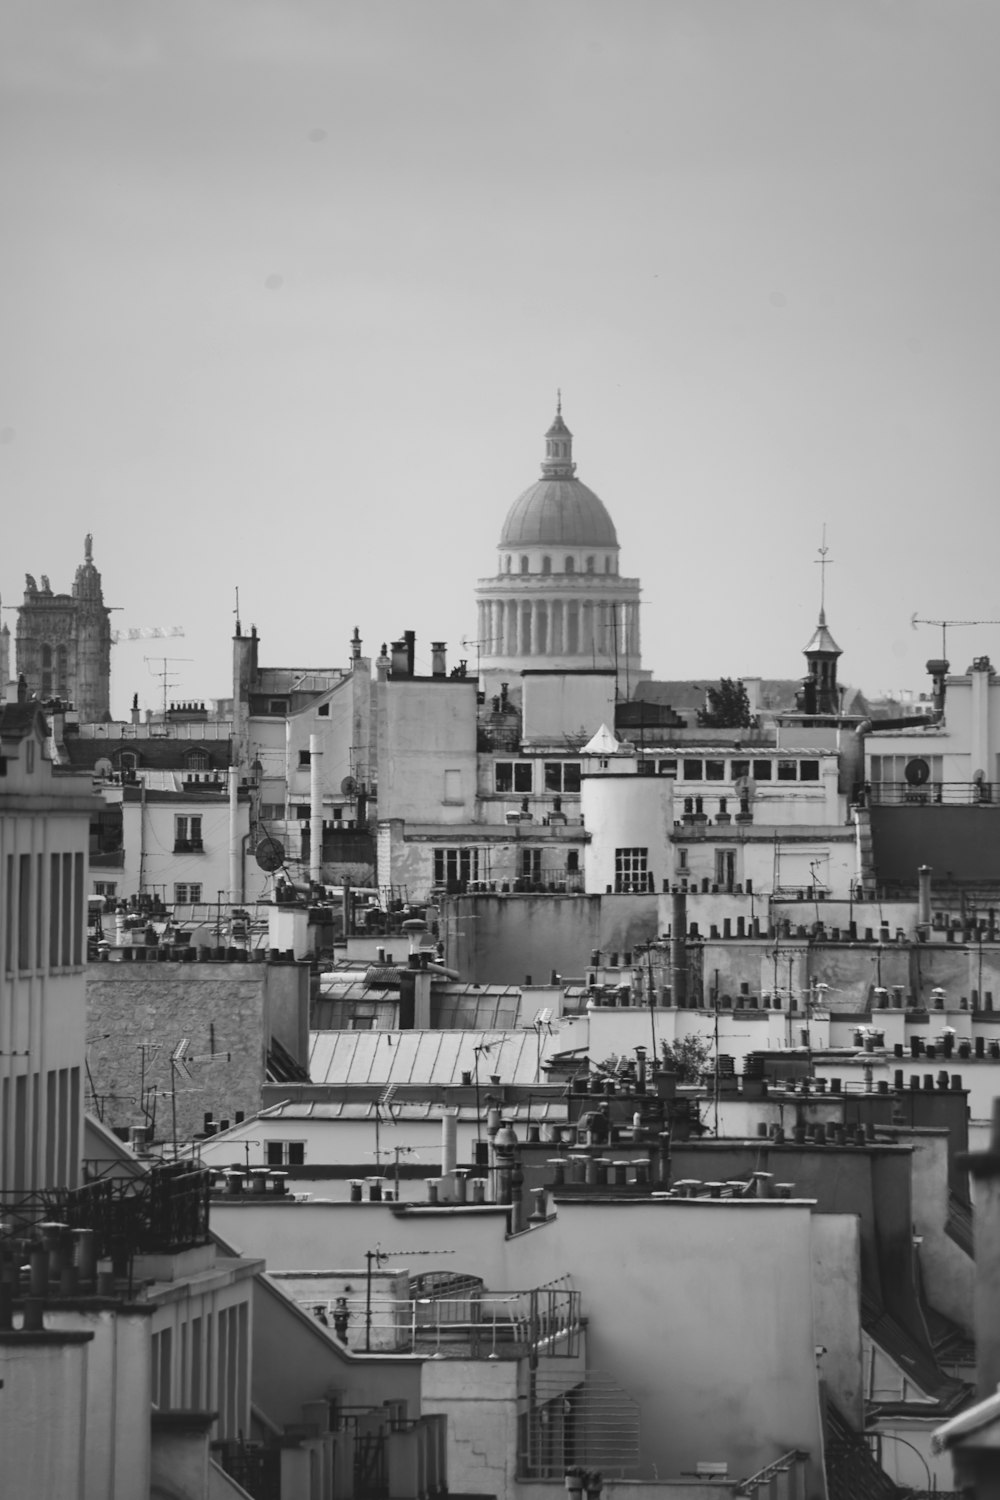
837,1311
42,1416
480,1401
701,1310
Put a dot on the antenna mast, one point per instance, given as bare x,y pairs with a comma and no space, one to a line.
944,625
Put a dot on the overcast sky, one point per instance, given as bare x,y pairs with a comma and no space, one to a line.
289,286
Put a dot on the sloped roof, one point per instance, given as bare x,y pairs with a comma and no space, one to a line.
430,1057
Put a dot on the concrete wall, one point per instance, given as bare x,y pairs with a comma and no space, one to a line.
948,1273
43,1415
137,1014
296,1360
430,729
701,1310
479,1399
560,704
496,939
837,1311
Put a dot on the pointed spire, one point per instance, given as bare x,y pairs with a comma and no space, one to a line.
558,462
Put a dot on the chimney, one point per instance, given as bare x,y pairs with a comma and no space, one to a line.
923,897
439,659
938,668
399,659
411,641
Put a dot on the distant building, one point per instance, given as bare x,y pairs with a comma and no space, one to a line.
557,600
64,642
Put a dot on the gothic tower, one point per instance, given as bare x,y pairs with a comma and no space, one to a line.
64,642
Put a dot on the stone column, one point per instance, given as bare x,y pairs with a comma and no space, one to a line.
535,613
511,631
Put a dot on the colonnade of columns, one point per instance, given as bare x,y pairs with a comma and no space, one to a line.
583,627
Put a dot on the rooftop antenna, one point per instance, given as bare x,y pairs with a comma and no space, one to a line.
236,611
823,562
164,673
944,626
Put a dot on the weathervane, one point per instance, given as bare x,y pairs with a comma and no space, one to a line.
824,562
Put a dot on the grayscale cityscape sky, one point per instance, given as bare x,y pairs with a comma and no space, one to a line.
289,286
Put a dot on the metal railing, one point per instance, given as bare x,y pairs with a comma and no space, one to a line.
164,1210
941,793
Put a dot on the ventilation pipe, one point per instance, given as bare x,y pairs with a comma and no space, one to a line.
678,949
315,809
923,898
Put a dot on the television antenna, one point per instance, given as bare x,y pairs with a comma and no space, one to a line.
466,642
945,625
164,674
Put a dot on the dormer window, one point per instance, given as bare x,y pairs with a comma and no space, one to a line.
127,760
570,565
546,565
524,565
196,760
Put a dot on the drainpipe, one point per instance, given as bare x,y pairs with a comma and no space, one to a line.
234,835
315,810
678,949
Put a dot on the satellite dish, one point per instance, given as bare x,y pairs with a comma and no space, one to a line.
349,786
744,786
270,853
979,777
103,767
917,771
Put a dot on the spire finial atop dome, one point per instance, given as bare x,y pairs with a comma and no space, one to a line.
558,463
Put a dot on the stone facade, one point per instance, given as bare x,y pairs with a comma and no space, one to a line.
229,1013
64,643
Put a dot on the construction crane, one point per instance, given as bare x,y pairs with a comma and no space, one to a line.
145,633
945,625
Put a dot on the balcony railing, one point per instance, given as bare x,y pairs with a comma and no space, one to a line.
164,1210
934,793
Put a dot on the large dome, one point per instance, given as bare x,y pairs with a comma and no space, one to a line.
558,510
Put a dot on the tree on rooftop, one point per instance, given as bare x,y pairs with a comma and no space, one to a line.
728,706
688,1056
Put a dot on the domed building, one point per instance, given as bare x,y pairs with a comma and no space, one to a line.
558,602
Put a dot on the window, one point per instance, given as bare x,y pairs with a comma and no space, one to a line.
46,671
187,835
607,565
762,770
454,868
786,770
127,760
304,758
453,787
693,770
196,760
666,768
531,865
590,564
270,811
682,859
509,561
570,565
739,768
808,770
715,770
105,888
187,893
572,861
562,776
512,775
285,1153
725,868
323,712
277,706
546,565
631,872
524,565
29,756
